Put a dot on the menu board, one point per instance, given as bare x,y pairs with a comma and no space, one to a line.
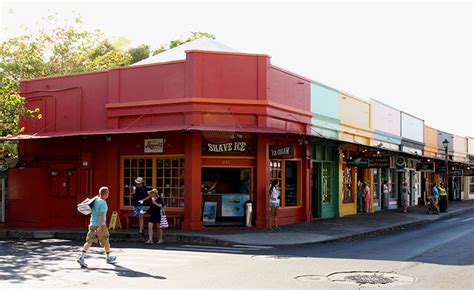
233,204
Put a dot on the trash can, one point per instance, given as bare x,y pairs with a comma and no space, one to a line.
248,213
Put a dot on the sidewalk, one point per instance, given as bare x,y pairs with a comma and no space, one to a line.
318,231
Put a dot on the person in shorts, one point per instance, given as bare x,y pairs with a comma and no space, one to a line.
98,231
139,202
155,209
274,196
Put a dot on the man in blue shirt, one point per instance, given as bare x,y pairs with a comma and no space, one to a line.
435,194
98,231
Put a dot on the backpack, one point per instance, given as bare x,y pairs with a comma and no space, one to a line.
85,207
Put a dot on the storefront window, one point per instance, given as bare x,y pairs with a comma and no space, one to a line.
287,172
326,182
164,174
393,186
348,196
291,183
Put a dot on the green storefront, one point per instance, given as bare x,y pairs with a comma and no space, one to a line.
324,180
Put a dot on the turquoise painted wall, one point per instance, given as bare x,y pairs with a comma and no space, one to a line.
325,109
324,101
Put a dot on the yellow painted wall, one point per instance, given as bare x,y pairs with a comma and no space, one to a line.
431,142
355,116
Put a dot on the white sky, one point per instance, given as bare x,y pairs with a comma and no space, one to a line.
415,57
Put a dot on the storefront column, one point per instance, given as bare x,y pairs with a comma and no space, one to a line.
192,182
262,184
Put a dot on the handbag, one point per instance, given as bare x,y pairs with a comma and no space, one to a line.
163,220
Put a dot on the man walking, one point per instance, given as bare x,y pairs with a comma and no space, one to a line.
98,231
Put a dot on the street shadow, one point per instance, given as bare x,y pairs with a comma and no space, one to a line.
26,260
121,271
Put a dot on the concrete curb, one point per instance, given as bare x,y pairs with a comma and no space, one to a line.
215,241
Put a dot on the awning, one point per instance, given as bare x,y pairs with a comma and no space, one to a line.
241,129
161,128
47,135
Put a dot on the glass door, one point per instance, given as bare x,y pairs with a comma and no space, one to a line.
376,190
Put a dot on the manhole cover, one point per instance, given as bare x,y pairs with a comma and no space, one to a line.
368,278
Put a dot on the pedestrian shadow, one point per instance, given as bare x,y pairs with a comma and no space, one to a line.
123,272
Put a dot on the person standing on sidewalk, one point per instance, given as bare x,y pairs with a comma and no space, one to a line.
385,195
98,231
139,197
435,195
155,209
443,198
366,197
405,192
274,196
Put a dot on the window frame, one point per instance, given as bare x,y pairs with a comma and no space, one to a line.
153,177
282,182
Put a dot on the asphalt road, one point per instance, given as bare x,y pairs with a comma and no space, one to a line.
434,256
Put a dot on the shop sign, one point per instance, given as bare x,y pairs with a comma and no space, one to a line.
468,172
281,152
412,150
154,145
370,162
3,164
425,166
455,172
236,146
359,162
400,162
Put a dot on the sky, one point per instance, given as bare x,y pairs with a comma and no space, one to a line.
416,57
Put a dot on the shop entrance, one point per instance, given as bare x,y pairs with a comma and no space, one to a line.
3,198
225,190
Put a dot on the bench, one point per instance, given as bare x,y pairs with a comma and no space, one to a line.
174,220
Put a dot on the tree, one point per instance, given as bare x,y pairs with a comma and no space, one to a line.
177,42
62,50
140,52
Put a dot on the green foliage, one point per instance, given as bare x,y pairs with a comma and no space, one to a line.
177,42
140,52
62,50
12,107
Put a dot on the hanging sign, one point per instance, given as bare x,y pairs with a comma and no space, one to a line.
154,145
468,172
370,162
425,166
3,164
455,172
281,151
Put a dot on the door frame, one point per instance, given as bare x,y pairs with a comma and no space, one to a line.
3,201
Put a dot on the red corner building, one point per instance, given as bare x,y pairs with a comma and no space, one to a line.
210,132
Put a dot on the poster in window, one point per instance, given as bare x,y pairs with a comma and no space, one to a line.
209,212
233,204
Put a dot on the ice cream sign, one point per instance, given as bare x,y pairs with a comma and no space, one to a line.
281,151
